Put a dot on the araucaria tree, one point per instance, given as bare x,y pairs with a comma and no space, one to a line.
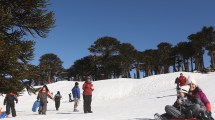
50,66
106,49
17,19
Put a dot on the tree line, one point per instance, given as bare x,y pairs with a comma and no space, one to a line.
112,59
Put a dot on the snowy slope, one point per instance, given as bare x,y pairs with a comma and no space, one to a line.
116,99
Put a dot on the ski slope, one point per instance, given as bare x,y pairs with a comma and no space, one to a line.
116,99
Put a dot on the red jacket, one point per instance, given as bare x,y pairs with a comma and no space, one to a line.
182,80
87,88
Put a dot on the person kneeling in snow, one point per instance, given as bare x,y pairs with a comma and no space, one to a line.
183,107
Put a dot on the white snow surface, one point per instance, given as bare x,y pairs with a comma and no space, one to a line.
115,99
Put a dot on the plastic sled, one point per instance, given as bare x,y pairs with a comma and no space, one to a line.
35,106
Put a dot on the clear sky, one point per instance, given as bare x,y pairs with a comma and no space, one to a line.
143,23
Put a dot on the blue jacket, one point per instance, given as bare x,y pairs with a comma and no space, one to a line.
76,92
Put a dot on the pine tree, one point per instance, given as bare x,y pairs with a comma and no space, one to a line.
17,19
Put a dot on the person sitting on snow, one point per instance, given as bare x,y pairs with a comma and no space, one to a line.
183,107
196,92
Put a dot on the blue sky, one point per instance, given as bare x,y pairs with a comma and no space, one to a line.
143,23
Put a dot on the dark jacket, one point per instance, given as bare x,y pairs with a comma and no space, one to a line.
57,97
10,98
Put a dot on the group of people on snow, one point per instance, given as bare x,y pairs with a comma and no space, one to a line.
44,94
191,102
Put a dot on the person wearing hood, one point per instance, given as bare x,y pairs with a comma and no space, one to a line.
76,96
57,98
87,95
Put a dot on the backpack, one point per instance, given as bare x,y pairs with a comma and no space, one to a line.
176,80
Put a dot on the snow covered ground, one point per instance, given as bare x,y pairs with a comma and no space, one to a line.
116,99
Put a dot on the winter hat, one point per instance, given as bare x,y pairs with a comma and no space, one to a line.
185,89
191,80
88,78
76,83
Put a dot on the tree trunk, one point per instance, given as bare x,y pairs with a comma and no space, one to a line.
49,78
212,58
138,73
191,63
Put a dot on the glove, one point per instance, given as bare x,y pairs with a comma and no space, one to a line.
179,101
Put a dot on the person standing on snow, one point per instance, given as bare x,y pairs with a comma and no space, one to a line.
196,92
9,102
87,95
57,98
181,80
76,96
43,94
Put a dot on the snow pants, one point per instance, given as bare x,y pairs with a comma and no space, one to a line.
10,106
189,112
87,103
43,107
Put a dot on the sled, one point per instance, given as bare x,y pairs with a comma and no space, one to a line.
184,119
35,105
159,117
3,115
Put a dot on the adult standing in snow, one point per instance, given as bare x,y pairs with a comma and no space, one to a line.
87,95
9,102
181,80
43,94
57,98
76,96
196,92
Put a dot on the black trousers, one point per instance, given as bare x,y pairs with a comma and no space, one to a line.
57,104
10,106
87,103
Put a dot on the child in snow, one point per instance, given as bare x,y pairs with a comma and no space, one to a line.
183,107
9,102
76,96
57,98
42,97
